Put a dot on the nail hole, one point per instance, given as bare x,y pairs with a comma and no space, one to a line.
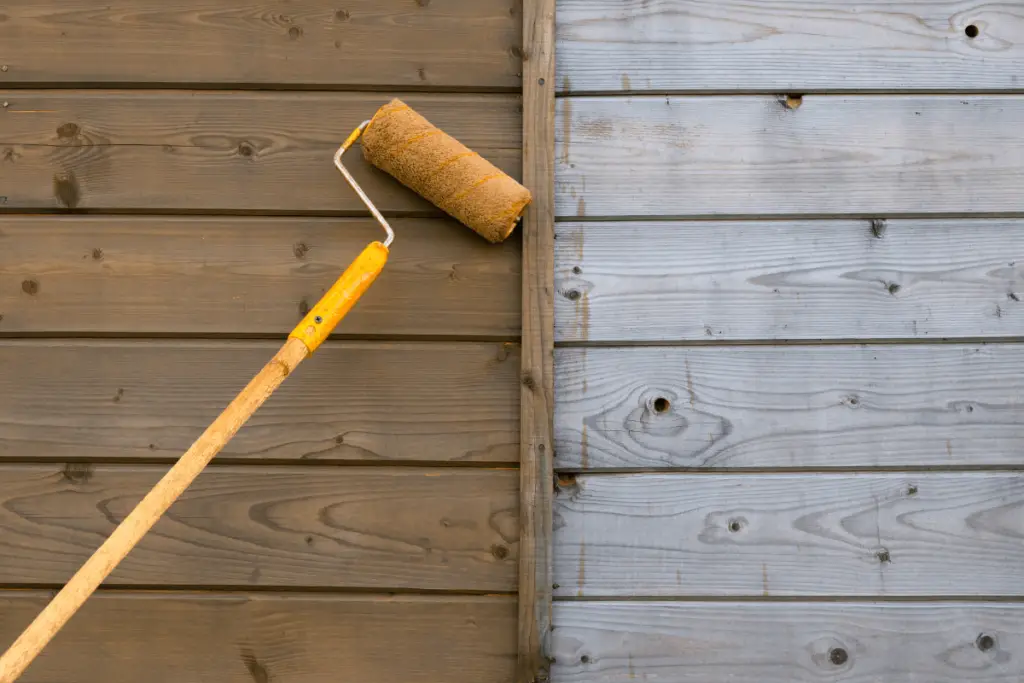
971,31
661,405
540,81
735,525
319,319
585,659
572,295
838,656
985,642
577,270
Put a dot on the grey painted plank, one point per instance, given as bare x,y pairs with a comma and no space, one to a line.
786,45
923,534
743,155
756,406
666,281
620,642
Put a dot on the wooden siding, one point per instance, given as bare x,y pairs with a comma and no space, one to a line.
725,280
750,407
787,292
920,534
789,45
247,637
858,642
369,402
357,43
247,276
169,209
763,156
223,152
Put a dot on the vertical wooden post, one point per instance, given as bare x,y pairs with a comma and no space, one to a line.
537,375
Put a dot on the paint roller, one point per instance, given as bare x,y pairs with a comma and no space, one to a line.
419,155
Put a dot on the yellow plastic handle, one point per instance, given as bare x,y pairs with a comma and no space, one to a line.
341,297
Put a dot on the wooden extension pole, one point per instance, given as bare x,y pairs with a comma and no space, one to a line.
302,342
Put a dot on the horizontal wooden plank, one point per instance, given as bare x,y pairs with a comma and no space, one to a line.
722,156
790,534
202,275
97,400
755,407
455,43
668,281
381,528
220,151
671,642
241,638
788,45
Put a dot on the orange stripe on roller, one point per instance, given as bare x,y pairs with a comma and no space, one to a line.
455,158
486,178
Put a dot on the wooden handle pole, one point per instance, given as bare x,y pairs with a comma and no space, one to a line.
130,531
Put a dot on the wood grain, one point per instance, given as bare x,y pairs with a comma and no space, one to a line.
667,281
393,402
168,637
537,371
785,643
448,43
221,151
204,275
788,45
918,534
755,407
381,528
745,155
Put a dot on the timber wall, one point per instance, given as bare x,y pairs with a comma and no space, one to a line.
788,307
170,211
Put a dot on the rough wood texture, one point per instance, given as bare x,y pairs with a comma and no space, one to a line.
789,45
460,43
96,400
674,156
221,151
788,643
788,534
165,275
752,407
666,281
453,529
144,515
245,638
537,374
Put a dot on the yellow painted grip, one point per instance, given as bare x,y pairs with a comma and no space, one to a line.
341,297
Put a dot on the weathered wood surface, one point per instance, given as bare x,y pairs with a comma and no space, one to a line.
537,365
450,43
203,275
395,402
241,638
747,155
956,534
725,280
221,151
381,528
789,45
762,407
675,642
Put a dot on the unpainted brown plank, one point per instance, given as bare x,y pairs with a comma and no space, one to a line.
537,375
446,43
248,275
169,637
746,407
376,402
869,534
789,45
381,528
221,151
788,642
